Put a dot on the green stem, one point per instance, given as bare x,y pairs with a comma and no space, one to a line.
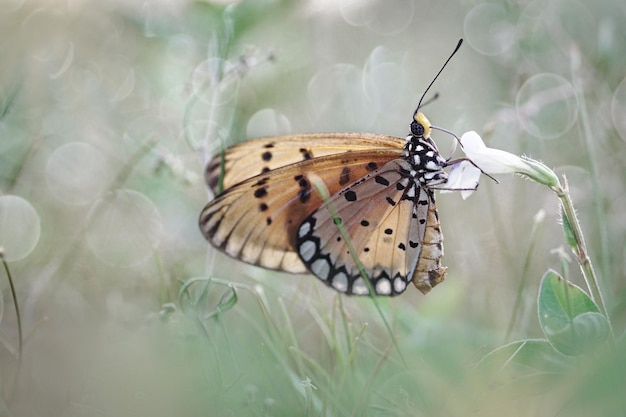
590,152
580,249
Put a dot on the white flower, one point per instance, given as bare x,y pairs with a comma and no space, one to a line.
464,178
464,174
491,161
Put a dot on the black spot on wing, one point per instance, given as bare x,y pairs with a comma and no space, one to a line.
371,166
304,195
305,189
306,153
266,156
381,180
260,192
350,195
344,178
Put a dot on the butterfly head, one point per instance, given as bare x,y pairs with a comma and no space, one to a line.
422,153
420,126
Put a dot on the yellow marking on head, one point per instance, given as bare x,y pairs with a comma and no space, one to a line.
421,119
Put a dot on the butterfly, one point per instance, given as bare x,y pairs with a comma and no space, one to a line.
357,210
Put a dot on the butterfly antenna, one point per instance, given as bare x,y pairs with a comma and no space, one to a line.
430,100
458,45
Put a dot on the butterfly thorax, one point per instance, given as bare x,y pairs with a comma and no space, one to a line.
422,154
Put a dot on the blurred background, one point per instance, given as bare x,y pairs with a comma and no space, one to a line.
109,111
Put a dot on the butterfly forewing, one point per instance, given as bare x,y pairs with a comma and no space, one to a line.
385,217
257,220
259,156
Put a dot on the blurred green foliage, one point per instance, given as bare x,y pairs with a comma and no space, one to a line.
124,313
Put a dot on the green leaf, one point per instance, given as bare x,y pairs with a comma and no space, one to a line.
525,357
569,318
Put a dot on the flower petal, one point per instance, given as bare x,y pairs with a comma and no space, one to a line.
496,161
491,161
464,178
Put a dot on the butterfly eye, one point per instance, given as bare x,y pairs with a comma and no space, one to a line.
417,129
420,126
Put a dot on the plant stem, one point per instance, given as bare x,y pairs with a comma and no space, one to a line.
581,250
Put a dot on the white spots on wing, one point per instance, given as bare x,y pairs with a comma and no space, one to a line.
359,287
383,287
305,228
340,282
307,250
399,284
321,268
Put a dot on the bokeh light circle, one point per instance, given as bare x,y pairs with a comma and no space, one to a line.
618,109
77,173
546,30
215,81
123,228
487,29
385,17
383,77
546,106
267,122
20,227
357,12
338,100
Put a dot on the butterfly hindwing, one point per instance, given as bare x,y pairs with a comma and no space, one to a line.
386,216
259,156
257,220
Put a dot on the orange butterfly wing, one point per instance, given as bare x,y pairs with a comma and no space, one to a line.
256,220
258,156
392,224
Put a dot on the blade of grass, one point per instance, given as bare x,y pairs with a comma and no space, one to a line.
321,189
20,338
